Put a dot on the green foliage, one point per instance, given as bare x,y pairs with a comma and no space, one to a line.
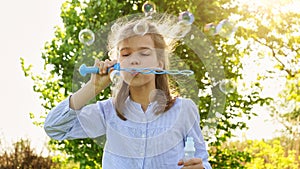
270,154
84,151
229,157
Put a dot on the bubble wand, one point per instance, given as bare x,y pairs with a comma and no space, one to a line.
84,70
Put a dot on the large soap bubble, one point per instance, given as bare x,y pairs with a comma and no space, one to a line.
197,54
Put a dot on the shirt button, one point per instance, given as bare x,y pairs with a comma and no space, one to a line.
141,153
143,135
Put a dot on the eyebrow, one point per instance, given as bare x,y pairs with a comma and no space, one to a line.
140,48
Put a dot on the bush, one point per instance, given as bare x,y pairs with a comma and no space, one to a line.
276,153
271,155
24,157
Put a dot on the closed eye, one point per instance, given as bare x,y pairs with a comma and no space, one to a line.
126,54
146,52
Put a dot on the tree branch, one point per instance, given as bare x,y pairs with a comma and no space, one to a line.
289,72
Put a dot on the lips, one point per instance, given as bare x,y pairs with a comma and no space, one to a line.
134,73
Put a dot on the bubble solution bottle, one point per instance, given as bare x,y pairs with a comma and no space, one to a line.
189,149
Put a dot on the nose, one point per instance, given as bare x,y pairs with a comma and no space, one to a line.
134,59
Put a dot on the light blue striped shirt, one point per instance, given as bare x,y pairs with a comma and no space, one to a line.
144,141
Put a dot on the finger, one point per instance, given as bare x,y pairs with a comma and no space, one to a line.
113,62
193,161
106,65
198,166
96,62
110,65
110,62
180,162
100,66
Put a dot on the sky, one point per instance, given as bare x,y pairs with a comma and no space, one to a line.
25,28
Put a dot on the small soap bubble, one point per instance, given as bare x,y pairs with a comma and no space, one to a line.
227,86
186,17
115,76
148,8
86,37
210,29
115,27
141,28
225,28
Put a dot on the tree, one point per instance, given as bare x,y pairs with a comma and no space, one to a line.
64,52
275,33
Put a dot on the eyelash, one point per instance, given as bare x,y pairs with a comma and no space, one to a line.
143,54
125,55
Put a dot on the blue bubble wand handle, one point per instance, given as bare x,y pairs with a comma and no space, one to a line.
84,70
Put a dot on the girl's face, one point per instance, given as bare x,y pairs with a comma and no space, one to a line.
138,52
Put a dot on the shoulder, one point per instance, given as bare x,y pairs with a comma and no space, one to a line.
106,107
104,103
184,102
187,107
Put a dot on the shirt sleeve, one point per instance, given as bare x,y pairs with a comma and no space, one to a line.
196,133
63,123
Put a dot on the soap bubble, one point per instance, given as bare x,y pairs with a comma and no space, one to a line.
141,28
183,26
86,37
115,76
225,28
175,29
148,8
227,86
210,29
186,17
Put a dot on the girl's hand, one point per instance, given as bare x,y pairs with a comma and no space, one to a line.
101,80
194,163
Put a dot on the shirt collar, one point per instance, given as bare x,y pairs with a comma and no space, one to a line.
133,111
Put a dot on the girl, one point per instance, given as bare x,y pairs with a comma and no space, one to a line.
145,126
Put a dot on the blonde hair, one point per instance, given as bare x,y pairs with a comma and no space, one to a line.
124,29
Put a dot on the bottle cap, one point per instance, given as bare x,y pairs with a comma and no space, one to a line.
189,144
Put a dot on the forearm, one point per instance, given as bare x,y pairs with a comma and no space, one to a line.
84,95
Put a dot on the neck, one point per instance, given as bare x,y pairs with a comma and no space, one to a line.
141,95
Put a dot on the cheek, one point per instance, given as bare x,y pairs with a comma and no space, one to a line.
123,74
123,62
